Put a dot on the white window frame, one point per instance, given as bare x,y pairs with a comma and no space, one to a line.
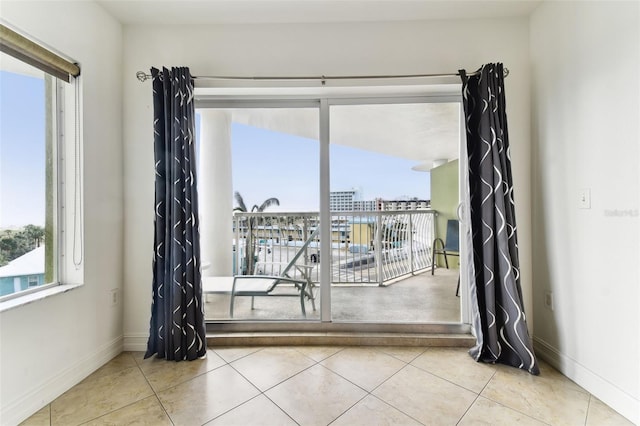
67,192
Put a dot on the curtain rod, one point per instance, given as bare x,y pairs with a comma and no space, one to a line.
142,76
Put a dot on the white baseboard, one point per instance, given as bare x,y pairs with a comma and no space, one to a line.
614,397
24,406
136,342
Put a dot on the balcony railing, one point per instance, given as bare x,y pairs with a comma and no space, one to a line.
367,248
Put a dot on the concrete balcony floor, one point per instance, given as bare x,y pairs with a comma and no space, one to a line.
420,298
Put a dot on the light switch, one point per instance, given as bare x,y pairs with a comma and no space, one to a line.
584,199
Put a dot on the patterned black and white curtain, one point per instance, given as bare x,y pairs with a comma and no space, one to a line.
177,319
499,318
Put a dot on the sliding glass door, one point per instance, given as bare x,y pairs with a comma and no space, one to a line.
264,199
343,199
381,209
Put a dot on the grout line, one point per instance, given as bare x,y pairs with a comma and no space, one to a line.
349,408
386,380
449,381
586,416
108,375
488,381
155,393
468,408
396,408
263,393
516,410
281,409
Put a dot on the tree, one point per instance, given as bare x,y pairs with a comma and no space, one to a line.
13,244
34,234
250,224
8,246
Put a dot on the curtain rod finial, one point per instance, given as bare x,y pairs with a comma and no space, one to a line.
140,75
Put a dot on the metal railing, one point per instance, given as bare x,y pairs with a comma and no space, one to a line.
367,248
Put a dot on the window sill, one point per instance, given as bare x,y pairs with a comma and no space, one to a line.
34,297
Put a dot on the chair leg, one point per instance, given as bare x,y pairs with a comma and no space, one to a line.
304,312
458,288
433,256
252,300
312,297
434,252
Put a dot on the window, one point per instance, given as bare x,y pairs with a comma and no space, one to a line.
39,150
33,280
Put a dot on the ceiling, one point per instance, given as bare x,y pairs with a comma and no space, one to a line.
426,133
191,12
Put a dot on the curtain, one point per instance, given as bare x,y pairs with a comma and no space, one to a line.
177,319
496,296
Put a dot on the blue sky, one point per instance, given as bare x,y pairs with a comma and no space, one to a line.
265,163
22,150
271,164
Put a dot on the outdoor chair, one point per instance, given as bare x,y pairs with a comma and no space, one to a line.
449,247
265,285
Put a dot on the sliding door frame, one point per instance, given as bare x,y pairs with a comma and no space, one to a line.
324,104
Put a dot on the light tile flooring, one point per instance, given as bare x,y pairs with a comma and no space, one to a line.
321,386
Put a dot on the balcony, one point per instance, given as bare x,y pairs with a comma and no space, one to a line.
380,267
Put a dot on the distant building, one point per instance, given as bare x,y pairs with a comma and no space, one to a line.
404,204
365,206
342,201
23,272
350,201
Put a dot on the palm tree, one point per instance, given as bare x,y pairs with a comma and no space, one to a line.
34,235
249,241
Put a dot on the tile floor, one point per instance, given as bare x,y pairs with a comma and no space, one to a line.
321,386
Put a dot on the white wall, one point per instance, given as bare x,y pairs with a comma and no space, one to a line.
49,345
585,70
310,49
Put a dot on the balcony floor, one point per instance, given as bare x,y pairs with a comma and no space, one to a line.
421,298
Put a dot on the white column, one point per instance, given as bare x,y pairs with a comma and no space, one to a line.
215,193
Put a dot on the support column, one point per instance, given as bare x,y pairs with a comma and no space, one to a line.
215,193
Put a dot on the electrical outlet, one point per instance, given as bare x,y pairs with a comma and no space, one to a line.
584,199
548,300
114,297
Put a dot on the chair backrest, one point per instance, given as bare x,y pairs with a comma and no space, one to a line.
300,252
452,242
282,269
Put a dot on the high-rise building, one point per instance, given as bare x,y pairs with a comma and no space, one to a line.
342,201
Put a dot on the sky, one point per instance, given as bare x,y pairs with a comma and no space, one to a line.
271,164
265,163
22,150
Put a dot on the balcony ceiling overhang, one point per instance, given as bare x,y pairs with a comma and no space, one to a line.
424,131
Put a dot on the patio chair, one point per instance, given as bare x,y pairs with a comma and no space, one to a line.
449,248
265,285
